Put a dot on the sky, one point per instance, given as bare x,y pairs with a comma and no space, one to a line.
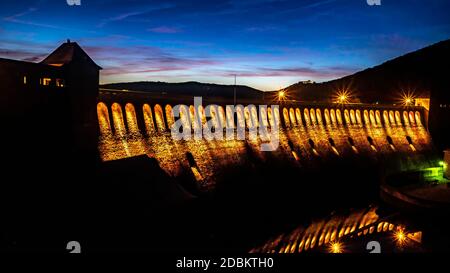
268,44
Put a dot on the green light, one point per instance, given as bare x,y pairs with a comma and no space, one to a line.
433,173
441,163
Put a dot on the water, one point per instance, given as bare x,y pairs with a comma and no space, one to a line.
347,233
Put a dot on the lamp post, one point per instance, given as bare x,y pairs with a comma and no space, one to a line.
234,89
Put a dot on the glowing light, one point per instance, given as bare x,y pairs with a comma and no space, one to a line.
281,95
407,98
342,96
336,247
196,174
400,237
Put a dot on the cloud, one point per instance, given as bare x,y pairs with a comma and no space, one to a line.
329,72
165,30
144,59
119,17
23,55
16,18
137,12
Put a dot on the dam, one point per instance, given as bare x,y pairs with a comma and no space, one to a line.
309,132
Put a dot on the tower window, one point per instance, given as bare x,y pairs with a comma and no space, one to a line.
24,79
60,83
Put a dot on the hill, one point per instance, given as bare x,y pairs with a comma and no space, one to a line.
190,88
415,72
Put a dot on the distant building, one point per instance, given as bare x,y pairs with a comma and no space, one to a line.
63,87
307,82
424,102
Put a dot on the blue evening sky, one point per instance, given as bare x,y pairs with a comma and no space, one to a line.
268,43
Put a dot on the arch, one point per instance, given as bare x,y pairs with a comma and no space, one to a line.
276,114
386,117
222,116
214,116
306,115
103,119
392,117
201,115
319,116
248,119
298,115
398,118
119,124
358,117
230,117
270,117
352,116
412,119
292,117
184,116
159,118
327,116
169,116
254,115
263,116
130,114
286,117
347,117
148,118
333,116
194,118
372,118
240,116
339,116
312,116
405,118
378,117
418,119
366,118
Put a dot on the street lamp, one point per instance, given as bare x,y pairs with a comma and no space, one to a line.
407,98
342,97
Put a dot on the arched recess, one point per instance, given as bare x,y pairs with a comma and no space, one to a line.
148,118
398,118
159,118
327,117
298,115
352,116
292,117
339,117
130,114
119,124
312,116
286,117
358,117
103,119
169,116
319,116
306,115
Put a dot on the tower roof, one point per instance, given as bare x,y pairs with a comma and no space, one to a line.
66,53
